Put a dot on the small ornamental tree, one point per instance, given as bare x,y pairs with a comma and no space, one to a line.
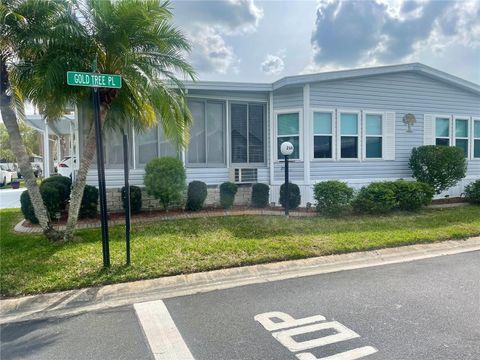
165,180
439,166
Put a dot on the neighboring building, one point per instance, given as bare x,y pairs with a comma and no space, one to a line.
346,125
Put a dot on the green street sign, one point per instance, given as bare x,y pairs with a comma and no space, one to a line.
94,80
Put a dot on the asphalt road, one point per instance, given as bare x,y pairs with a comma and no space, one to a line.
427,309
10,198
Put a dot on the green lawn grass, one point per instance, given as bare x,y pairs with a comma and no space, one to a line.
31,264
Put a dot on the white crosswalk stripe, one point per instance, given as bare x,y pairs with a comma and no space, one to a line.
164,339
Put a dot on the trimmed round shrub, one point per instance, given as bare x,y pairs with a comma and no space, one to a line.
196,195
472,192
52,198
294,198
89,206
227,194
135,198
439,166
260,195
412,195
376,198
333,197
165,180
27,208
65,182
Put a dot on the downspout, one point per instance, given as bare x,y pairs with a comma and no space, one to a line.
270,134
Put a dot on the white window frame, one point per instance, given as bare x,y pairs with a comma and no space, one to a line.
265,119
473,138
454,132
333,134
339,134
364,133
451,135
300,133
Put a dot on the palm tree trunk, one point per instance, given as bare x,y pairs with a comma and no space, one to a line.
81,178
18,148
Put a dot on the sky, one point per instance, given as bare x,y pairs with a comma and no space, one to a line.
262,41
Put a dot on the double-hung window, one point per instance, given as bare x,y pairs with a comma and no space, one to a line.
207,134
247,132
476,138
323,135
373,135
288,129
461,134
349,135
442,131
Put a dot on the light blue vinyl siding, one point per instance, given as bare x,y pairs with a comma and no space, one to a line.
290,97
295,170
402,93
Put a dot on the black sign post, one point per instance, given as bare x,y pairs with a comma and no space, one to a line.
97,81
127,196
101,179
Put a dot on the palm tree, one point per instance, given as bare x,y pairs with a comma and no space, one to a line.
22,33
133,38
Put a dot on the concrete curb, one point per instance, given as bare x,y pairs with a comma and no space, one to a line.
77,301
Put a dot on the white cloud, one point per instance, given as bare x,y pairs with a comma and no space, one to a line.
209,23
273,65
371,32
210,53
229,16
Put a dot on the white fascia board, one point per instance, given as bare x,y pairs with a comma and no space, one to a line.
227,86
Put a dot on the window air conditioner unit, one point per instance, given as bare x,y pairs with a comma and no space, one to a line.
244,175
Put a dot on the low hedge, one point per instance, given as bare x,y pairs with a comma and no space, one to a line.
294,198
260,195
196,195
333,197
63,182
382,197
472,192
26,207
376,198
227,194
135,199
412,195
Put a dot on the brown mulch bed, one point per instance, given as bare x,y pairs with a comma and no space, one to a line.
152,214
449,200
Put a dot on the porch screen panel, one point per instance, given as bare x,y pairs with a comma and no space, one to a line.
167,147
256,133
147,145
196,148
239,113
215,133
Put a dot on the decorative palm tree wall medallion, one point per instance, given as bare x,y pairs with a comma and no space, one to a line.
409,120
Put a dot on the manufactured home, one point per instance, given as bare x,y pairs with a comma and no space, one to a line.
357,126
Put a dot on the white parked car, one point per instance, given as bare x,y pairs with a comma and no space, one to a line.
5,175
66,166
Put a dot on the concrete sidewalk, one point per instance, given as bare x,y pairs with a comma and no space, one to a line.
76,301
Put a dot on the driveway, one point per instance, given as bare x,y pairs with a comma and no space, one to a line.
10,198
